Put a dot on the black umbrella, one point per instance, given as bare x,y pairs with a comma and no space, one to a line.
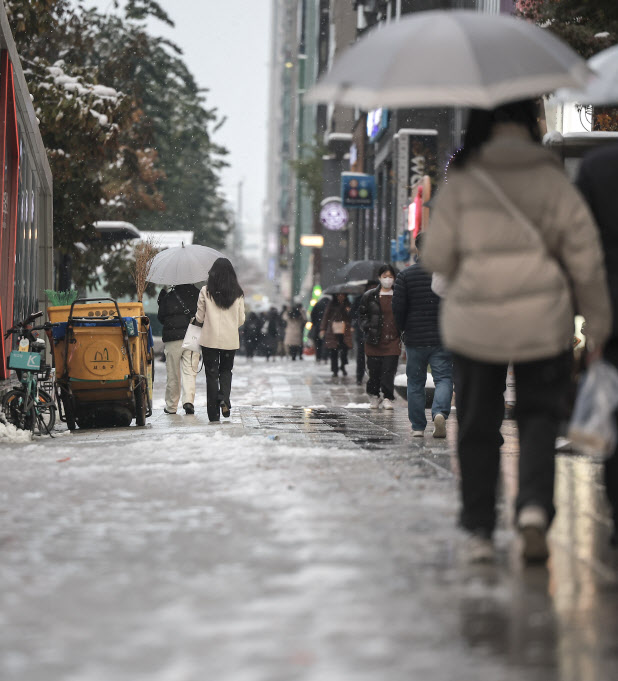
359,269
351,289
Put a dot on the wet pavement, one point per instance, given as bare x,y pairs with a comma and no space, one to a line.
307,538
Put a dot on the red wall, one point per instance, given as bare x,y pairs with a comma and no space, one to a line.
9,176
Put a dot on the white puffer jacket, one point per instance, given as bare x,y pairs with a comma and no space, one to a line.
509,297
220,327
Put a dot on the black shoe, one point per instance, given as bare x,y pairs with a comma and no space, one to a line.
335,374
343,371
189,408
359,381
168,412
225,410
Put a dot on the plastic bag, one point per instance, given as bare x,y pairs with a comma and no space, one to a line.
593,425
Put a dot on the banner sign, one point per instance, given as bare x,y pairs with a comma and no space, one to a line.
357,190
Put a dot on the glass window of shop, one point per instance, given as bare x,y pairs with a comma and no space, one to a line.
26,261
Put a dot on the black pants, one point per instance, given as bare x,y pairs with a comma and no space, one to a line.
341,351
296,351
218,365
382,372
479,386
360,354
611,464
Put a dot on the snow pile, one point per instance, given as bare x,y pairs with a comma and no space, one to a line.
9,433
357,405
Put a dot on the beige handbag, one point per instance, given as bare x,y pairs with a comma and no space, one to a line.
338,328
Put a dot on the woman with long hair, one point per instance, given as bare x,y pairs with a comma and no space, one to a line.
221,311
382,343
295,320
336,329
521,253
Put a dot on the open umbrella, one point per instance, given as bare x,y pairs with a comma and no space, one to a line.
601,90
359,270
450,58
351,289
182,265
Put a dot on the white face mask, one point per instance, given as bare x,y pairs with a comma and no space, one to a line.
386,282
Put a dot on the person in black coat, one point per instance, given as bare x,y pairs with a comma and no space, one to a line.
416,309
321,352
251,334
382,339
597,180
176,308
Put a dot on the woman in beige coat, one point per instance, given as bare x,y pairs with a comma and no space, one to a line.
221,311
521,255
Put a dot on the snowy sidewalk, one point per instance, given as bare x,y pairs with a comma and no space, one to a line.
309,539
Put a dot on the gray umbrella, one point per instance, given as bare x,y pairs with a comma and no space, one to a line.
450,58
182,265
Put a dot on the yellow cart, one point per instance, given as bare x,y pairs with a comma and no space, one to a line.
103,353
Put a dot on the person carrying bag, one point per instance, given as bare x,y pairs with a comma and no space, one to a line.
176,309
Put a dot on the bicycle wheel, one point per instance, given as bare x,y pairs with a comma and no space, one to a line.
46,414
18,409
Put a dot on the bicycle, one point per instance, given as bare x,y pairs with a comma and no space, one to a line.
28,407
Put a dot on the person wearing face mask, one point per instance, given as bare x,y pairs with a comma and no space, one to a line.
382,344
416,308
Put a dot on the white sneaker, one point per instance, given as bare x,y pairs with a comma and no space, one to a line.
388,404
532,524
479,549
374,402
418,433
439,426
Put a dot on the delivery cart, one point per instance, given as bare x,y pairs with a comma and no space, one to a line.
103,353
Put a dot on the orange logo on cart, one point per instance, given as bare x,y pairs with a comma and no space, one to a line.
101,359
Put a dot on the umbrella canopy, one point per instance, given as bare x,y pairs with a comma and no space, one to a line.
450,58
602,90
352,289
359,271
182,265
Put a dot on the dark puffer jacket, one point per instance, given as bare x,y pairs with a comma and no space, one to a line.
597,180
172,306
370,316
416,307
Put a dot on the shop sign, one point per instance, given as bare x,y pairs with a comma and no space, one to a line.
284,246
377,123
334,216
357,190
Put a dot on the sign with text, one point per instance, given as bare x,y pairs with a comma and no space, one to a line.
357,190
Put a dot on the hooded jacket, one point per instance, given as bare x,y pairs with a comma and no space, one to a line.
512,298
176,307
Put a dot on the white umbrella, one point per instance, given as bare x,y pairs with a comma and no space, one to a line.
602,90
450,58
182,265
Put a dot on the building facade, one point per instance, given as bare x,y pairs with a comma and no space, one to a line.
401,150
26,241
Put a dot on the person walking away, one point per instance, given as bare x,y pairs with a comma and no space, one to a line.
270,331
382,343
295,320
517,270
251,334
597,180
281,348
336,329
359,339
221,310
176,308
416,309
316,322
